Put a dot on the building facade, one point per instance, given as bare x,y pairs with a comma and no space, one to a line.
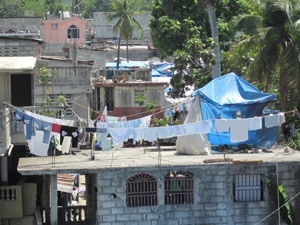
145,186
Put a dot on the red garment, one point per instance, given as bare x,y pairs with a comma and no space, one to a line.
56,128
102,119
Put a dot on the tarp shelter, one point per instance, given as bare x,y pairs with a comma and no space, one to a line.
229,96
196,144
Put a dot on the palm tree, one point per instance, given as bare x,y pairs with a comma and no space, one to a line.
276,39
124,12
210,5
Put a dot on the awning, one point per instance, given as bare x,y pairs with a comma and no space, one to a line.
17,64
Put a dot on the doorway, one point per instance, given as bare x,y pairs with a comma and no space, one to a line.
21,89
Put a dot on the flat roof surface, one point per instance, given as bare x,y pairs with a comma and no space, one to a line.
141,157
17,63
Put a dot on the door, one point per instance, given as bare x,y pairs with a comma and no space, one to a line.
21,90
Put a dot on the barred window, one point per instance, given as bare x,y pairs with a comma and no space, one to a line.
179,188
73,32
141,191
248,188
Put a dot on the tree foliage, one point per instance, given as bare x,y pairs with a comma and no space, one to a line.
12,8
172,35
272,40
124,11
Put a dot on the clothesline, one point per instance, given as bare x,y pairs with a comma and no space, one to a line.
168,107
122,131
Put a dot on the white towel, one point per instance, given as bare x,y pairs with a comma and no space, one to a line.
238,130
255,123
222,125
271,120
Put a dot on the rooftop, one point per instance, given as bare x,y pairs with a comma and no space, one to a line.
142,157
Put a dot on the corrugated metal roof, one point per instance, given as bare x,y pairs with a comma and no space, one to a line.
22,63
65,182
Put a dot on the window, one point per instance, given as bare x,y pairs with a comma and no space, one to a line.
109,98
248,188
54,26
141,191
179,188
73,32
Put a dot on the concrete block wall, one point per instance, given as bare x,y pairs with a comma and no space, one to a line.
26,23
18,48
100,57
213,196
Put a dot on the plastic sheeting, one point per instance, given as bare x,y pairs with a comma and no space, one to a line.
228,96
196,144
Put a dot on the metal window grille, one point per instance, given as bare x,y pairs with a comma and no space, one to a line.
141,191
248,188
109,98
73,32
179,188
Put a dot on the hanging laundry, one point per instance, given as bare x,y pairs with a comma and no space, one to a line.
44,126
238,130
221,125
69,131
254,123
272,120
56,128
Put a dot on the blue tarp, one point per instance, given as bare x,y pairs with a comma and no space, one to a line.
223,97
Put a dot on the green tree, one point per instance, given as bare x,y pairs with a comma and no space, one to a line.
91,6
54,6
175,24
12,8
124,12
38,7
273,42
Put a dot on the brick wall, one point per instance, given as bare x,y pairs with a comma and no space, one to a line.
213,196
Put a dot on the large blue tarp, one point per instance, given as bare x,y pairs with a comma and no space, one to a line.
229,95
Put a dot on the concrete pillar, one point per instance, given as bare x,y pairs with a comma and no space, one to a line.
4,173
53,213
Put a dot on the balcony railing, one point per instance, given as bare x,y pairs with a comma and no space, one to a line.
11,203
68,215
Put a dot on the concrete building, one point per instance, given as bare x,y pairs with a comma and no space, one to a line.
119,93
20,64
65,31
150,186
103,28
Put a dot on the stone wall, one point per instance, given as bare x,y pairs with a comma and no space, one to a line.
213,196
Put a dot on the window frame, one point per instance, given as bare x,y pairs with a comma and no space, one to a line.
182,179
71,34
141,190
248,188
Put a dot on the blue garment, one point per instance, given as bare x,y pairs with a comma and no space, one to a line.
28,120
16,125
43,126
19,115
